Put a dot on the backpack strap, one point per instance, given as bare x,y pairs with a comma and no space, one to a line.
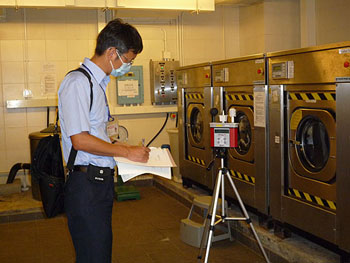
89,78
73,152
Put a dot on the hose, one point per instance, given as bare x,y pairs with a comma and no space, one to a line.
161,129
15,169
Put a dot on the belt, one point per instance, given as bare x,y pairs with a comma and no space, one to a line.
80,168
84,168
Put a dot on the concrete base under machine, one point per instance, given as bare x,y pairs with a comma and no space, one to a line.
289,250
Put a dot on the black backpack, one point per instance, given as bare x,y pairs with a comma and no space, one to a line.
47,167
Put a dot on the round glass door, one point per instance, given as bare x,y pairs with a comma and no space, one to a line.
196,125
244,133
314,146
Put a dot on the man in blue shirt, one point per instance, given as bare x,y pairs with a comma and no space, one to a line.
89,189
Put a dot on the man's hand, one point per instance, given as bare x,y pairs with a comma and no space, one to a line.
138,153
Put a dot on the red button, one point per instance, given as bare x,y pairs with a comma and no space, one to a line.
206,76
346,64
259,71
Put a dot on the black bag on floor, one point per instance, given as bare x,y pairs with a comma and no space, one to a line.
47,169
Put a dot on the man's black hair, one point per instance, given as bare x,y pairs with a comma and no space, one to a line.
120,35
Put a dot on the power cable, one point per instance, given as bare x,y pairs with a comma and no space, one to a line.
161,129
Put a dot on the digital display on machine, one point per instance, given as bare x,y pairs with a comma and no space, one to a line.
279,70
277,67
222,130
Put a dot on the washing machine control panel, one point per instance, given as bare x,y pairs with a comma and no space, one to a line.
283,70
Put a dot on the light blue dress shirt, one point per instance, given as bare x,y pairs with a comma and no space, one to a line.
75,115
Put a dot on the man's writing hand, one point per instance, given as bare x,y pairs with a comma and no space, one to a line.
138,154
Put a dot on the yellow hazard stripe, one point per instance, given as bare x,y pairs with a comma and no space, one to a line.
243,177
194,96
293,97
196,160
239,96
328,96
316,96
304,96
312,198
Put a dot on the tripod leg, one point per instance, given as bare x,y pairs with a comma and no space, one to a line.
223,197
210,222
247,217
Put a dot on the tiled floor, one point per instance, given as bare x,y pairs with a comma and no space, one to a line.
145,231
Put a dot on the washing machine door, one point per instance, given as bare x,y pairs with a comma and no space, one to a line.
195,124
312,145
245,120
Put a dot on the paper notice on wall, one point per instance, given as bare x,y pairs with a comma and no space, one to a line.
128,88
48,79
259,109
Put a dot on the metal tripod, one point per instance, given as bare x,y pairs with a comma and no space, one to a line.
210,220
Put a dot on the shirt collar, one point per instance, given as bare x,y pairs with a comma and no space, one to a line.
97,72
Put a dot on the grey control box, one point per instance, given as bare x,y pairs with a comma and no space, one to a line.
163,81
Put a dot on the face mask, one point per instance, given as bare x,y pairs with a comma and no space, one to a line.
123,69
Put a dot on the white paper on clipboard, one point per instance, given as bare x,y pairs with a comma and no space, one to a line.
159,163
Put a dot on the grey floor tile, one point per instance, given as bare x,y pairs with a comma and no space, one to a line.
144,231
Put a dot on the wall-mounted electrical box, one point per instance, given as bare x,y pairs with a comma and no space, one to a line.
130,87
163,82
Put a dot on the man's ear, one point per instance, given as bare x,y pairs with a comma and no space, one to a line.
110,53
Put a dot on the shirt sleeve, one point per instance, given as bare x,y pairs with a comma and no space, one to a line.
75,104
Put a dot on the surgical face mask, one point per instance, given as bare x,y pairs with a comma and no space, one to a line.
123,69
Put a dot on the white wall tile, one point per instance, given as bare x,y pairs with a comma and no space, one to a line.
77,49
91,48
153,122
35,24
11,50
37,117
73,64
55,24
12,72
2,119
61,70
17,146
12,92
13,28
36,50
56,50
152,49
34,71
15,118
1,97
37,90
3,167
81,24
332,21
34,129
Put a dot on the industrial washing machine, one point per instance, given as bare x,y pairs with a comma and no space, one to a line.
243,87
309,175
195,95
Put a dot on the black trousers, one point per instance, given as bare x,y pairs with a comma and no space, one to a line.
88,205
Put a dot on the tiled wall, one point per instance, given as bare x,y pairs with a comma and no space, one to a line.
269,26
32,38
29,39
332,22
64,37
